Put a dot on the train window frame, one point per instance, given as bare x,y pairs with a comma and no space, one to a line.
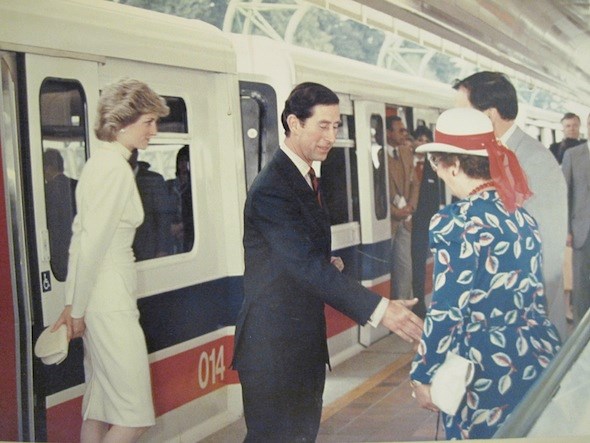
342,202
379,170
63,119
260,135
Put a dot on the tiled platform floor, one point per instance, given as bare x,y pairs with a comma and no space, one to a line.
367,399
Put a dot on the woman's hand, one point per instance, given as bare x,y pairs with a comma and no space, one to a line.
422,394
75,326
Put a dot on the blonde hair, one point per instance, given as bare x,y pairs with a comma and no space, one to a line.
123,103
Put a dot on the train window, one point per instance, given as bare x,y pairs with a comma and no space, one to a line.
259,126
162,174
339,179
64,141
378,160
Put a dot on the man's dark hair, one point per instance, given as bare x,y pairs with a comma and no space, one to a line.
569,115
52,157
422,130
390,119
491,90
303,98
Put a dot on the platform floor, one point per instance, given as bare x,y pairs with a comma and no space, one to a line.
367,399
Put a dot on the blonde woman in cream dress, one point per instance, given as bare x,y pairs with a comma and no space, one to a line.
101,303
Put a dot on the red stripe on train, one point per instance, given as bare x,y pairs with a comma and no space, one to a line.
176,381
337,322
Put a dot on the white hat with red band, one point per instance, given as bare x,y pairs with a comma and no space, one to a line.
461,131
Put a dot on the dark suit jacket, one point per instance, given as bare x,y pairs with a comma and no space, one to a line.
61,209
558,148
288,277
153,237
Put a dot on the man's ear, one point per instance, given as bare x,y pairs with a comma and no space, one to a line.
294,123
493,115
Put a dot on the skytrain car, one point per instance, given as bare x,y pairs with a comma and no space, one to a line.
225,93
55,57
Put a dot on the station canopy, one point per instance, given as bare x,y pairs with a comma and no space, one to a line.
435,40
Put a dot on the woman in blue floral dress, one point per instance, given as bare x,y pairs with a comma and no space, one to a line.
488,303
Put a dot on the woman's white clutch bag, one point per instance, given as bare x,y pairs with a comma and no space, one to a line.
52,347
450,381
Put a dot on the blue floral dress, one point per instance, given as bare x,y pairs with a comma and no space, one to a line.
488,305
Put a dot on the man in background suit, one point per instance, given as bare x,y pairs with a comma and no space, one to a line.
432,192
60,206
494,95
280,342
153,237
403,196
570,123
576,168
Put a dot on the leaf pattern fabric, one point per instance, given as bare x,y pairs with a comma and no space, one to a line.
488,305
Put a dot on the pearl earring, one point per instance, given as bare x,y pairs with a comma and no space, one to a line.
122,130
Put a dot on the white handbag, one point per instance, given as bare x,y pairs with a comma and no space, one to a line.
52,347
450,381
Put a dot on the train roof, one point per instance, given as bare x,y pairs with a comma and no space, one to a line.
90,29
257,55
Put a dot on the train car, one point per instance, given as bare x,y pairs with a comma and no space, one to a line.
55,58
225,93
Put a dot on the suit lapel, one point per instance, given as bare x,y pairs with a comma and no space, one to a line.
303,191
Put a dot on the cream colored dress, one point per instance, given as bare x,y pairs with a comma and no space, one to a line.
101,287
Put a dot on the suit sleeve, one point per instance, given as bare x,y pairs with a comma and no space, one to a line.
277,214
103,200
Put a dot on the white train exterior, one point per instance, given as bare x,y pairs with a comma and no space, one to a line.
226,93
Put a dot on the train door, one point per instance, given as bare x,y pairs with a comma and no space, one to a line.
12,282
61,96
374,205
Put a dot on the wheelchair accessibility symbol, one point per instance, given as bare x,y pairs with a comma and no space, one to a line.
46,281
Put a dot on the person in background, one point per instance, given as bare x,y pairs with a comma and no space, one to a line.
488,303
101,304
494,95
182,228
576,167
281,349
403,195
571,136
154,237
429,202
60,209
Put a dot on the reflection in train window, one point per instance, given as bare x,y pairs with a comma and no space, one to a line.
176,121
339,179
64,141
162,174
259,126
378,160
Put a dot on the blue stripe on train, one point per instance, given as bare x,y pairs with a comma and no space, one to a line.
183,314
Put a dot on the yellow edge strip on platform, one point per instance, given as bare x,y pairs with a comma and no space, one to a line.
345,400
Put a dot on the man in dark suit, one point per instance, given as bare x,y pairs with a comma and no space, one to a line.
61,208
431,196
153,238
571,136
280,342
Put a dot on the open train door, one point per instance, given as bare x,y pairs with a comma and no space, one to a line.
373,204
61,97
